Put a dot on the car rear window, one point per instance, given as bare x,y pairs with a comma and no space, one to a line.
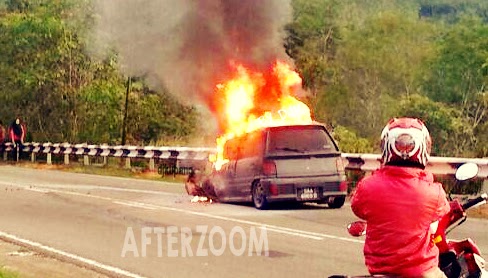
295,140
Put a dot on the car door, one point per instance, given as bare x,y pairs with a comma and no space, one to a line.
248,166
228,172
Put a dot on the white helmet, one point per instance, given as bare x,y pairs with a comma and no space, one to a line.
405,141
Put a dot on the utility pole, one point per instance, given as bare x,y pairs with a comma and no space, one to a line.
126,111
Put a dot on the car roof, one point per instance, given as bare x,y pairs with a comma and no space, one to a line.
295,125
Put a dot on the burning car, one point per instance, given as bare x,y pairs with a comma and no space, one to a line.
269,148
281,163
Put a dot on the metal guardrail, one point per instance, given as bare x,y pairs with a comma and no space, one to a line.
172,155
181,156
437,164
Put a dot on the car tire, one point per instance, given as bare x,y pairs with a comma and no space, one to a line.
337,202
259,196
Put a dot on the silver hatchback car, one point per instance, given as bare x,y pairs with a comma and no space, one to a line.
299,163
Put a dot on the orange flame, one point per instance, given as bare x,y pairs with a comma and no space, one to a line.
253,100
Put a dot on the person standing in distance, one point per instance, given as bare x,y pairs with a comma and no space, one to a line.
17,135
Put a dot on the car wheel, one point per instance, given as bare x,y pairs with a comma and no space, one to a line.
337,202
259,196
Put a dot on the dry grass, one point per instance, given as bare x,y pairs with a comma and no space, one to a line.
479,212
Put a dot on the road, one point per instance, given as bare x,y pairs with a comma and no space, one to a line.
133,228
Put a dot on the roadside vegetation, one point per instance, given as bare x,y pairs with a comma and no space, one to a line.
363,62
368,61
4,273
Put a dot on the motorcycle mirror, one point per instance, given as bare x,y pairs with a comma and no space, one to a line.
467,171
357,228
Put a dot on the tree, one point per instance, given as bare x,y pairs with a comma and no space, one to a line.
310,42
459,75
64,94
351,143
44,68
450,132
377,64
157,117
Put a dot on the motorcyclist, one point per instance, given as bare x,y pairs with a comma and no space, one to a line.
399,202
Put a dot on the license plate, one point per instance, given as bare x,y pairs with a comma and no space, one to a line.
308,193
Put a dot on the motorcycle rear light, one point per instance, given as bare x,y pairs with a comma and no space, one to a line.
343,186
273,189
269,168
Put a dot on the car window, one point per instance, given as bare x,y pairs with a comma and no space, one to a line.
299,140
251,144
231,149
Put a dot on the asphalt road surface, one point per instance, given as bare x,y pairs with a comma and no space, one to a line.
136,228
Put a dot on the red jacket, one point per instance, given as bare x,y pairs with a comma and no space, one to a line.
399,204
17,136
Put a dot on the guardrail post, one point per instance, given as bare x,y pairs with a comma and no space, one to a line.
5,155
151,164
49,159
33,157
105,161
86,160
66,159
127,162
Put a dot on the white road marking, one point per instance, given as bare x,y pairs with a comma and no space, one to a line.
274,228
37,190
69,193
17,240
134,205
85,187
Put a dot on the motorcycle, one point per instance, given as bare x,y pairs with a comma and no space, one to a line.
457,258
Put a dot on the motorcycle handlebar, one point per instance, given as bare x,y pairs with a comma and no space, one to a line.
475,201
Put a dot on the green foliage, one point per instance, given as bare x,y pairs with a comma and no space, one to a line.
378,63
457,72
158,117
61,92
18,5
363,61
99,107
4,273
381,60
459,76
450,132
452,10
349,142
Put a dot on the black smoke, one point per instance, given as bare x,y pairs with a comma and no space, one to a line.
187,45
